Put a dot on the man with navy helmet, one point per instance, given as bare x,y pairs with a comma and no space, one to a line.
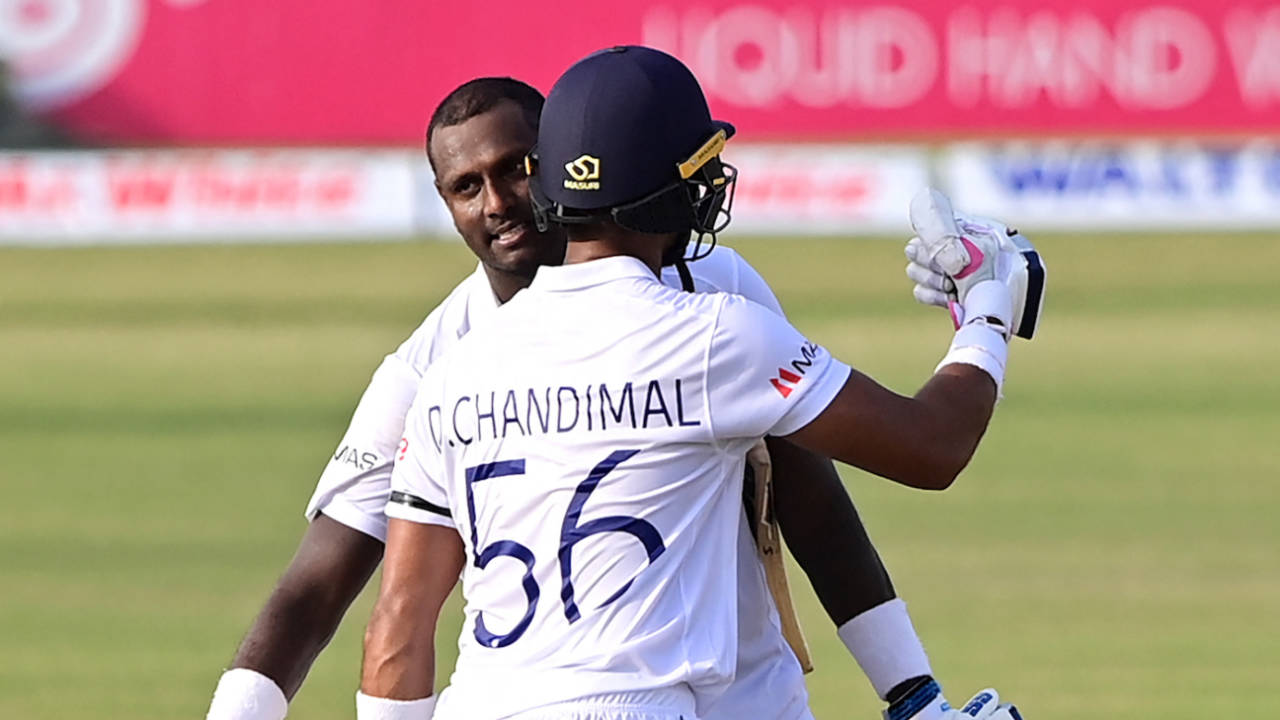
580,458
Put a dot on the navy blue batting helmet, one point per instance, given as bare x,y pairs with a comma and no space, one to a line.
626,135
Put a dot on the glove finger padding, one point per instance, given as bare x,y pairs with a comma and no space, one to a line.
923,272
921,275
986,705
982,705
932,287
929,296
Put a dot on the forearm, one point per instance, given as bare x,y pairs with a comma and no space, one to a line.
825,535
287,636
954,408
399,652
332,565
827,538
422,566
922,441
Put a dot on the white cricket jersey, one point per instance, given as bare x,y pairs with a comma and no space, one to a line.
588,443
357,480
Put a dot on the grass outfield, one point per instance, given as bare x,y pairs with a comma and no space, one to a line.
1113,551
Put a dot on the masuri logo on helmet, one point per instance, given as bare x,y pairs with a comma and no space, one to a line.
585,171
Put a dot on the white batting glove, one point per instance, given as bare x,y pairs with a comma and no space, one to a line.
925,702
975,266
932,286
986,705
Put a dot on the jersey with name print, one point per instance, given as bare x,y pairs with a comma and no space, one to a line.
588,444
356,481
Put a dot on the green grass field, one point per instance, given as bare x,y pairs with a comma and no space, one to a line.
1113,551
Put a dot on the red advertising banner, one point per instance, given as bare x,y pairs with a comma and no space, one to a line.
56,197
344,71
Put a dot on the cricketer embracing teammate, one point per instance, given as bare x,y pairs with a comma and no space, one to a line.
596,560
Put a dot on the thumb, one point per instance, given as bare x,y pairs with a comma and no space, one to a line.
934,222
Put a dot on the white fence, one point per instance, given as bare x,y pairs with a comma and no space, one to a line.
1149,185
61,198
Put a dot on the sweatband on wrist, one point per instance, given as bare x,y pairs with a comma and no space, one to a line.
886,646
982,346
369,707
244,694
923,703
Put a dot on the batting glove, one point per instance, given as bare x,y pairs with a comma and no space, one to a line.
925,702
932,286
974,266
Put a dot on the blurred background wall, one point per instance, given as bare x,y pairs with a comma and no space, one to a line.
251,120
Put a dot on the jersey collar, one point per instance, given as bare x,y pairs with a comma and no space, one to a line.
481,302
594,272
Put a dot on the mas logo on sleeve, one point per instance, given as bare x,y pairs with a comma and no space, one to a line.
788,379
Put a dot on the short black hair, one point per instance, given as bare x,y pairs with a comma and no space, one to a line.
476,97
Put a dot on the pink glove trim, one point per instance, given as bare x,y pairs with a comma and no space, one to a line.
957,313
975,259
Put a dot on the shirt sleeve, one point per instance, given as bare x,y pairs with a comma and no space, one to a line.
764,377
753,287
418,481
356,482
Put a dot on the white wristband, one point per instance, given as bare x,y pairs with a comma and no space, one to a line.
982,346
369,707
885,644
245,694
